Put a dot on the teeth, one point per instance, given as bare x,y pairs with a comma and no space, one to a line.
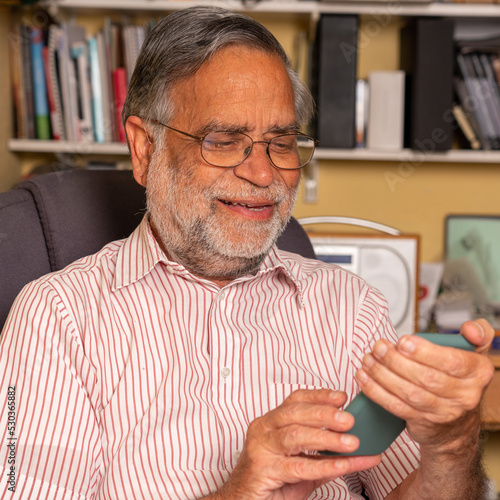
249,207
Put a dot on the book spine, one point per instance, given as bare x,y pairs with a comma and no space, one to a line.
64,65
468,108
106,89
477,106
15,41
96,85
54,87
120,93
466,127
40,97
28,80
79,53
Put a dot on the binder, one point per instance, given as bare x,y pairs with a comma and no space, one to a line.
334,80
427,58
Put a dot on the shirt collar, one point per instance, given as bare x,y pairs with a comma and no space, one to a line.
141,252
138,255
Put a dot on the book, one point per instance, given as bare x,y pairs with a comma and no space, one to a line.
79,52
27,80
467,107
474,87
66,80
107,124
386,110
466,127
427,57
120,94
485,65
334,79
97,91
53,87
16,55
107,74
40,97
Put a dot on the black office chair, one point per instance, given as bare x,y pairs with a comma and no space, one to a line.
52,219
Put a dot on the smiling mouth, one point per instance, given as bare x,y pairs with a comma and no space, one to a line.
253,208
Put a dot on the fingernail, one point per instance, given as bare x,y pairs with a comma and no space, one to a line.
380,349
348,440
368,361
480,329
342,417
406,345
362,377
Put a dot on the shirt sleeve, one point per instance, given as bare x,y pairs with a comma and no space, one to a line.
403,456
49,427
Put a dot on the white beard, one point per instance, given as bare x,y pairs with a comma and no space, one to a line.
193,231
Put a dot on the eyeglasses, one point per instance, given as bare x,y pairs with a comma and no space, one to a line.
230,149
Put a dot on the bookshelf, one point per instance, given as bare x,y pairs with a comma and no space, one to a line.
352,181
306,7
308,11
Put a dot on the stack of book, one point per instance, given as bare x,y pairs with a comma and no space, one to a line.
446,89
71,86
478,105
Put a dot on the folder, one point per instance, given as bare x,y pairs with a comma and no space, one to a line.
334,80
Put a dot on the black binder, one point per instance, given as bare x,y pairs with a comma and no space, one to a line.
427,57
334,80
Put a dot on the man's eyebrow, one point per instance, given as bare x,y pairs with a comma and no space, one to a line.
284,129
216,125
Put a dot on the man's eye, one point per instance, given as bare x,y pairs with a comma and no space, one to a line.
283,145
222,141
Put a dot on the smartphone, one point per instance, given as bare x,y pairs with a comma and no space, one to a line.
375,427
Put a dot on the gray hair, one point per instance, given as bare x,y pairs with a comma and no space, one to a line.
181,42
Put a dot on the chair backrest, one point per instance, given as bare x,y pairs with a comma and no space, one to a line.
23,253
51,220
82,210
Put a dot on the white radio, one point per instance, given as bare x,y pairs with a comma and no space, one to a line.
389,262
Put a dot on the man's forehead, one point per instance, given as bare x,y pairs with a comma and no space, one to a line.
236,86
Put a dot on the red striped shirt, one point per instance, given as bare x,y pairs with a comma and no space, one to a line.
131,378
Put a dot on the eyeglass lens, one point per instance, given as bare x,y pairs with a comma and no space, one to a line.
228,149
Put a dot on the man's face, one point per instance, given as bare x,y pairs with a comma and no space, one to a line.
221,222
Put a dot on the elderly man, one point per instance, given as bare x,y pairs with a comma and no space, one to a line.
195,359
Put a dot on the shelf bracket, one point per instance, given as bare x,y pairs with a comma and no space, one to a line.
310,182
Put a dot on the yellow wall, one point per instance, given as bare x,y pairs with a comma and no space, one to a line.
417,203
9,163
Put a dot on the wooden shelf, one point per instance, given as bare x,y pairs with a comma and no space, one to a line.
448,9
408,155
83,148
361,154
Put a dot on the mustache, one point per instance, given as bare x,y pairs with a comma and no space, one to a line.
275,193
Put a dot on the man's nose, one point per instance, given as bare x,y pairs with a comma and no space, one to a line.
257,167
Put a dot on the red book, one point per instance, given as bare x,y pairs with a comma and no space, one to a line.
54,122
120,90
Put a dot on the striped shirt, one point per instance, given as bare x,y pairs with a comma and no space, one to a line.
124,376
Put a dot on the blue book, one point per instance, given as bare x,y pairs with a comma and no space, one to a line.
96,86
40,98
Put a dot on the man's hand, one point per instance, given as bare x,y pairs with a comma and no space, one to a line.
274,463
433,388
437,390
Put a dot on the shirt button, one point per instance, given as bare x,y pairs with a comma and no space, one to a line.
222,295
225,372
237,455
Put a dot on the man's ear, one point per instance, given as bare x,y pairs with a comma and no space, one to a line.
141,147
